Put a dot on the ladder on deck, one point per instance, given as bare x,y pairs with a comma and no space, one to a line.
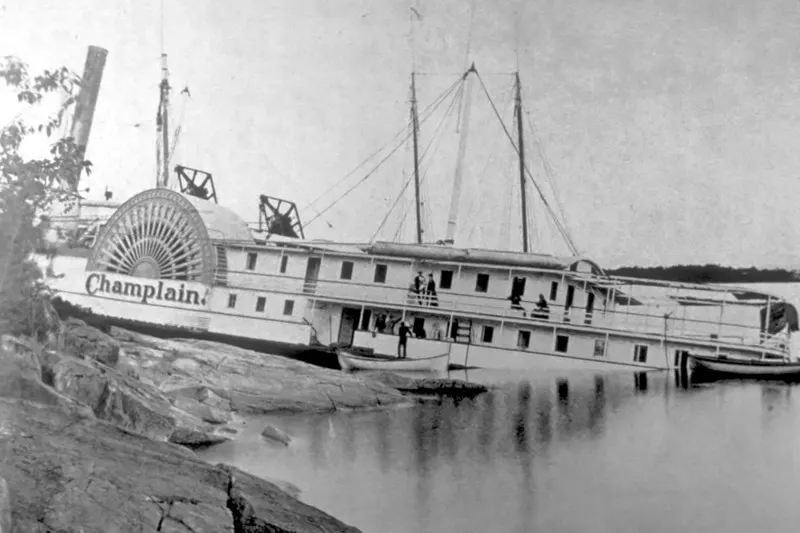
464,332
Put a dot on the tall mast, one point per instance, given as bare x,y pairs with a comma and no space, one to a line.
452,219
415,127
163,178
518,112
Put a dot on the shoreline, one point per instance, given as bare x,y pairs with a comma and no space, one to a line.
125,412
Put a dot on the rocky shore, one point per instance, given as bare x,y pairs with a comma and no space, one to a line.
97,431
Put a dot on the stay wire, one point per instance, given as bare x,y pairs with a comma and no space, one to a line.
403,133
371,172
561,229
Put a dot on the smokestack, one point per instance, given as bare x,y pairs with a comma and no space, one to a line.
87,100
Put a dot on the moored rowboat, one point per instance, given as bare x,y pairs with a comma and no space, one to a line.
349,361
751,368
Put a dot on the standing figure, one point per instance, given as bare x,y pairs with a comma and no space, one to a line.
419,283
433,300
404,332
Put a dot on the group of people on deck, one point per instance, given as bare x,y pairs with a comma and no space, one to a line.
542,310
425,290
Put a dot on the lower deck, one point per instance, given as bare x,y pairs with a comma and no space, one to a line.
521,345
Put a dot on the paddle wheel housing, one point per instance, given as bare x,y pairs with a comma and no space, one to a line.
163,234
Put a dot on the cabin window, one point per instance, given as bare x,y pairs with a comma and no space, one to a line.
640,353
589,308
231,301
570,296
488,334
599,347
482,283
288,307
380,274
347,270
446,279
251,261
284,263
562,343
553,291
524,339
261,303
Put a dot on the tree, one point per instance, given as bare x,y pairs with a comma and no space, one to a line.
28,187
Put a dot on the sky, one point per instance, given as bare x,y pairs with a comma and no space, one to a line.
669,130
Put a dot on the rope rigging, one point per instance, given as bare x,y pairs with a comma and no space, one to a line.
548,169
448,112
562,230
426,114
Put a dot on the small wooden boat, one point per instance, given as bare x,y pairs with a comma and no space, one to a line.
349,361
747,368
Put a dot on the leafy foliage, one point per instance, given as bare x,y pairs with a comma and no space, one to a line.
28,187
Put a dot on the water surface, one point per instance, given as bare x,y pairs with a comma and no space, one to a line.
550,451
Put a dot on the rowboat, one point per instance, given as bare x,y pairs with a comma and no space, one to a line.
749,368
349,362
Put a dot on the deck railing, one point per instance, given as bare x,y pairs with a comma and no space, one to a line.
449,303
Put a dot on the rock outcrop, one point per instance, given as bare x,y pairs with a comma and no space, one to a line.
430,386
66,470
251,382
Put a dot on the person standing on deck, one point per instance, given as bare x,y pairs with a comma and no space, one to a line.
433,300
404,332
419,283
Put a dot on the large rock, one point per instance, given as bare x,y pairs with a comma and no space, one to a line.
62,469
21,378
430,386
69,474
82,340
130,404
252,382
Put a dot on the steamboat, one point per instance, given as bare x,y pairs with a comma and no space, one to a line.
172,260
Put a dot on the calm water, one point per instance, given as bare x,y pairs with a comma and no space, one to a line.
552,452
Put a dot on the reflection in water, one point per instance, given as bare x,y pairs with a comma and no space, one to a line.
382,427
521,418
597,407
552,453
486,409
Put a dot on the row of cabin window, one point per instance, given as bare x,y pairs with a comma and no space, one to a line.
252,259
261,304
562,344
445,277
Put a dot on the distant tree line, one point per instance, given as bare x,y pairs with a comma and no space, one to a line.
709,274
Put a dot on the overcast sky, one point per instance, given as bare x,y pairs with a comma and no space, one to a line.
671,128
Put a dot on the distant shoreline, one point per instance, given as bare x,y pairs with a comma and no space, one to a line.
709,274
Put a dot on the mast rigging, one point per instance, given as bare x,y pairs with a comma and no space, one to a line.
415,129
518,113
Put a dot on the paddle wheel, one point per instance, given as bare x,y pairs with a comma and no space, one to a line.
158,234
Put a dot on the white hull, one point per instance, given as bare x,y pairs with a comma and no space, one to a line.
350,362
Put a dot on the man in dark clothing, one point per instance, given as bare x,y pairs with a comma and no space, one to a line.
542,309
404,332
433,301
516,303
